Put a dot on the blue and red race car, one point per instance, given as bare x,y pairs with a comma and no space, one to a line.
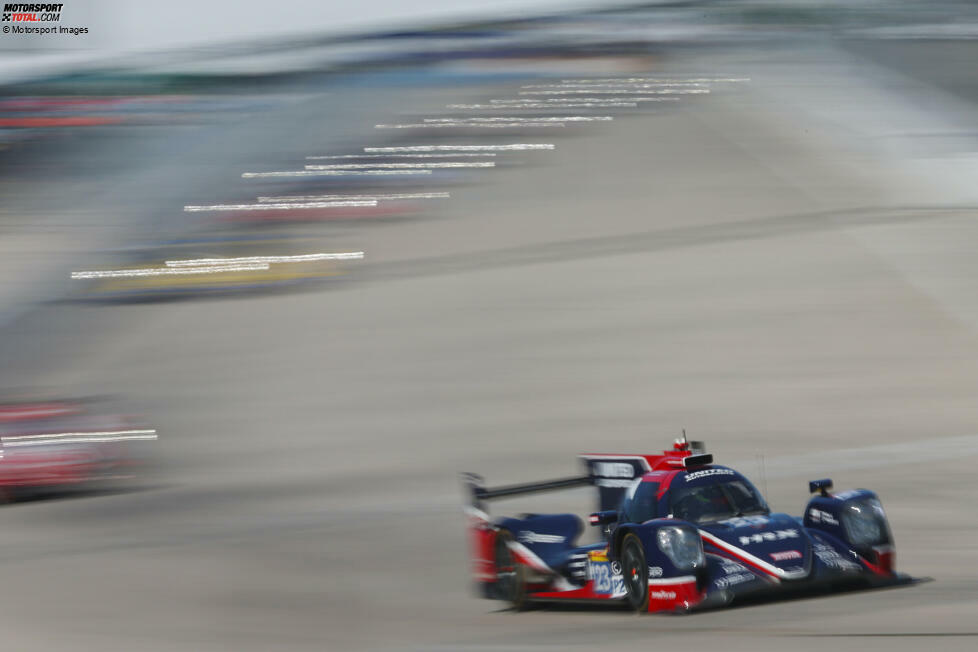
678,533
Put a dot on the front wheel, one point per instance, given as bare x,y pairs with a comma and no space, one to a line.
510,574
635,573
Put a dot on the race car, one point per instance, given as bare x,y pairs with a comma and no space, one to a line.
51,445
677,533
212,264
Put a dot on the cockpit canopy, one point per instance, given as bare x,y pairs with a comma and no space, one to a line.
702,496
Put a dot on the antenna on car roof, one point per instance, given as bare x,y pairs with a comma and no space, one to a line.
681,444
760,459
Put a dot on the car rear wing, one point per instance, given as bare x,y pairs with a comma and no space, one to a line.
613,474
478,493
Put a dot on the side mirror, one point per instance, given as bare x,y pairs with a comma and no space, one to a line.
603,518
822,486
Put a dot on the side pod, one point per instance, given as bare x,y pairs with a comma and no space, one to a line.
856,521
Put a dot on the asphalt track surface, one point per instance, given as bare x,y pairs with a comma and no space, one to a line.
712,266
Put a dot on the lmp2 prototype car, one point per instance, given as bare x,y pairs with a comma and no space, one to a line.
678,533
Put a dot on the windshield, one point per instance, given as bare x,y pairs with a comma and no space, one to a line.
640,502
717,501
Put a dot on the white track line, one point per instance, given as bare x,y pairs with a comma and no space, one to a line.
643,80
270,206
342,156
402,166
501,125
265,260
622,91
570,118
318,198
79,437
561,102
463,148
331,173
168,271
616,85
533,105
215,265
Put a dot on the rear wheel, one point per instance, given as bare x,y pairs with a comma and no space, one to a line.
635,573
510,574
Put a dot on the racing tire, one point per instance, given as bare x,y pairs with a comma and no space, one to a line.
510,574
635,573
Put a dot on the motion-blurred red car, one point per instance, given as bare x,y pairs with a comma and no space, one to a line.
65,443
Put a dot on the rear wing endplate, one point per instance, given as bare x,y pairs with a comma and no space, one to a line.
478,493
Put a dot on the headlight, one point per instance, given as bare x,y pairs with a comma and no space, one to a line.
865,522
682,546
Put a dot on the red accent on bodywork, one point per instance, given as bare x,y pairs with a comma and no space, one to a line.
524,556
73,121
658,462
885,561
51,469
32,411
733,554
482,537
586,592
674,596
664,483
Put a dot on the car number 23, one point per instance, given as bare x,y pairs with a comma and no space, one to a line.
607,578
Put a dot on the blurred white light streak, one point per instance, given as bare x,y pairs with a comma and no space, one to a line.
403,166
614,84
632,80
315,198
264,260
463,148
638,88
167,271
570,118
456,155
268,207
622,91
331,173
501,125
79,437
535,105
564,101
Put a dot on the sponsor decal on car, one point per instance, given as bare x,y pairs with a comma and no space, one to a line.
607,578
785,555
819,516
833,559
777,535
614,470
619,474
663,595
526,536
745,521
597,555
734,579
731,567
655,571
696,475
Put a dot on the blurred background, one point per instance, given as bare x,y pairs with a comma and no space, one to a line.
272,275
